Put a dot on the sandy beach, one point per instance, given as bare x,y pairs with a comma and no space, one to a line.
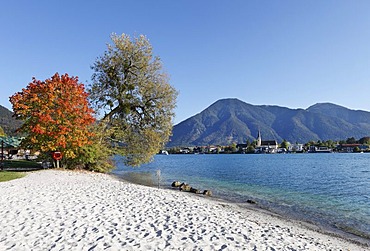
69,210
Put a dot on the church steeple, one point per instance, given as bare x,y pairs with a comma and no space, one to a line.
259,139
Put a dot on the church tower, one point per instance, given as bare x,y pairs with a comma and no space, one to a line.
259,139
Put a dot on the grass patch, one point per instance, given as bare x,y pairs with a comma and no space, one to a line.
6,176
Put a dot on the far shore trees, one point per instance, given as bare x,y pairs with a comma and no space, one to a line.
284,144
56,115
133,95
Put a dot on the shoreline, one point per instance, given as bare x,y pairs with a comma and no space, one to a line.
243,205
70,210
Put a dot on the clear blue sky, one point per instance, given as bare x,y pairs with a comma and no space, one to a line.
286,53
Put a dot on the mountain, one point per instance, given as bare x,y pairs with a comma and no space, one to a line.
231,120
7,122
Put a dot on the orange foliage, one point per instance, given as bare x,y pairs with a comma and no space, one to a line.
56,114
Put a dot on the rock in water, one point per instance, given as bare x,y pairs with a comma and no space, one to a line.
176,184
207,192
194,190
185,187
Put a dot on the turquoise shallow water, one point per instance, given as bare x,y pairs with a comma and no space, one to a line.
331,190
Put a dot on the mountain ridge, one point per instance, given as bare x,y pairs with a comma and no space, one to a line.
232,120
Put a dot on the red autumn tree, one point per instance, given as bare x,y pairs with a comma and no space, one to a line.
56,114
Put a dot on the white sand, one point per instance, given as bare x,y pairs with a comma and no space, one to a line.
63,210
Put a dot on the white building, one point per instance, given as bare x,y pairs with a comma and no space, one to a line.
295,147
266,146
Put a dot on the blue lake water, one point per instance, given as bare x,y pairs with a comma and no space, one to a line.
331,190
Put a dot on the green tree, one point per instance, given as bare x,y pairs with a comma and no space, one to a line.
132,90
254,143
96,156
356,149
233,147
364,140
351,140
341,142
284,144
320,143
250,149
310,143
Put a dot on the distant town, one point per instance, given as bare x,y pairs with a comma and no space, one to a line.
259,146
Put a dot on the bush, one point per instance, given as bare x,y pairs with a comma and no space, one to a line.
95,157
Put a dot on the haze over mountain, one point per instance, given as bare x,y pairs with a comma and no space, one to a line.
231,120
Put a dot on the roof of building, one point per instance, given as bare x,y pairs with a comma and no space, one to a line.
268,142
9,142
350,145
